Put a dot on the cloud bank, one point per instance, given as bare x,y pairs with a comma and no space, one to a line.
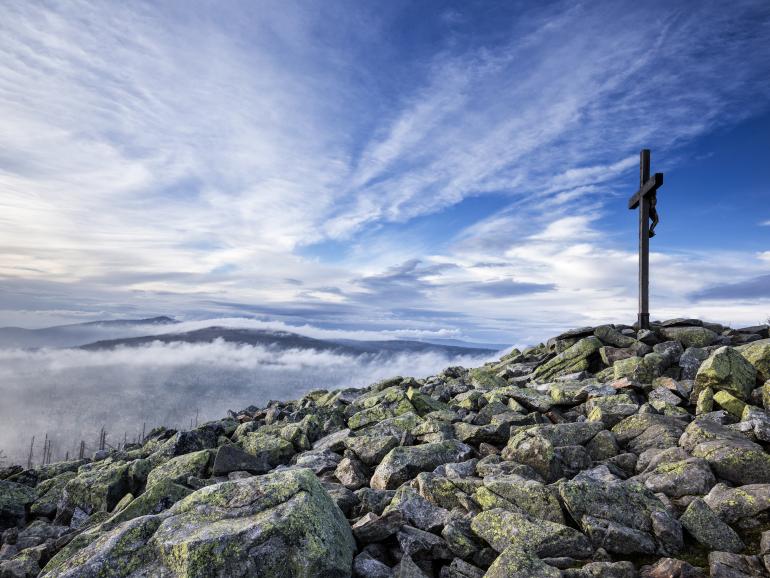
70,394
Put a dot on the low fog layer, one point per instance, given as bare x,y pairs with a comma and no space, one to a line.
70,394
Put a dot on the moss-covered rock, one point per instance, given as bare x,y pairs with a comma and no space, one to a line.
548,449
758,355
527,496
576,358
727,370
393,426
486,379
645,431
690,336
180,468
744,502
185,442
516,562
280,524
371,449
296,436
623,517
403,463
15,499
270,450
688,477
423,404
765,392
416,510
732,456
730,403
49,494
501,529
611,336
705,401
120,552
706,527
380,412
638,369
158,497
98,487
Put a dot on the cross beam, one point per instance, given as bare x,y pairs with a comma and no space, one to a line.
652,185
645,198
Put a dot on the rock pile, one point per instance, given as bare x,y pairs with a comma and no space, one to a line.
606,452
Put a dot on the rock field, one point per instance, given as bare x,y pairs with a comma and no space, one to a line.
605,452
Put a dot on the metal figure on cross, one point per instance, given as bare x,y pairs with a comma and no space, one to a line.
654,219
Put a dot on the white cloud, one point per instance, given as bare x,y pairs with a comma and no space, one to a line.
75,392
177,160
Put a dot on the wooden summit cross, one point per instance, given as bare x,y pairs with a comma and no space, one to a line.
646,199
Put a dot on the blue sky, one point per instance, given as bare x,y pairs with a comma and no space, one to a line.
408,169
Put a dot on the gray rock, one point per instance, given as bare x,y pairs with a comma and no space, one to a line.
691,360
374,500
611,336
373,528
728,565
706,527
407,568
345,499
517,562
459,536
365,566
618,515
603,570
403,463
334,441
693,336
730,455
502,529
231,458
734,504
461,569
351,474
671,351
14,501
671,568
421,545
687,477
320,461
417,511
371,449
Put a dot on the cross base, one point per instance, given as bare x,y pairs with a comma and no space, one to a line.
644,321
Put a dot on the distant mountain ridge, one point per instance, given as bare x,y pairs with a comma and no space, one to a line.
288,340
72,334
101,335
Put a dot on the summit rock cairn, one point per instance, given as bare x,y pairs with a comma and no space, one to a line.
605,452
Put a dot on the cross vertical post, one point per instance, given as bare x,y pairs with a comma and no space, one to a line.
646,199
644,243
